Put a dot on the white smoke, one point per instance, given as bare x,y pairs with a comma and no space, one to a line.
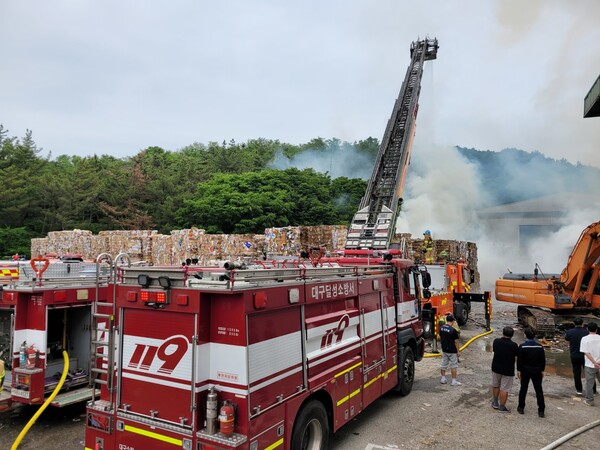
444,193
344,161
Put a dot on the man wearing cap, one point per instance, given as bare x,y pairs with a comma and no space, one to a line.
450,350
503,368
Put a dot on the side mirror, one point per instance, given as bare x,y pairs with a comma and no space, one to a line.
426,293
426,279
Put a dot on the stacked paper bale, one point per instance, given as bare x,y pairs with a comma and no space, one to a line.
39,247
443,250
230,247
283,241
186,244
162,250
69,242
136,243
332,237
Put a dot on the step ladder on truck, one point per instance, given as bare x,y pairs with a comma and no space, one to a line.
52,304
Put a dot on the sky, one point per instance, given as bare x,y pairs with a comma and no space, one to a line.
115,77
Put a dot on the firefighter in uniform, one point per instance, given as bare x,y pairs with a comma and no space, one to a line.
2,373
428,247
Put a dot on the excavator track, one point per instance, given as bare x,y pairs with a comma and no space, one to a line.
540,320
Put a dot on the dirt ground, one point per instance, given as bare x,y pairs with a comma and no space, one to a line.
433,416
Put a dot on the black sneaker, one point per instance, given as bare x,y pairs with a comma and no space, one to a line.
520,410
503,409
541,414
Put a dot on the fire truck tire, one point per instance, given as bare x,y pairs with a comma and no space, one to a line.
461,312
427,328
311,428
407,376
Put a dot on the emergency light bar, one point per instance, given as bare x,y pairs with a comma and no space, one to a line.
157,298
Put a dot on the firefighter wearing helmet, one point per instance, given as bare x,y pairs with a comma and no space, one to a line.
427,247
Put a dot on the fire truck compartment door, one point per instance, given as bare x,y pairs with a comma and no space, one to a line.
156,369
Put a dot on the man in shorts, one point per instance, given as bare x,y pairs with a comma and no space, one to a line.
503,368
450,350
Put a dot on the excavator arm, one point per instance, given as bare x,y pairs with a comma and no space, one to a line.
580,275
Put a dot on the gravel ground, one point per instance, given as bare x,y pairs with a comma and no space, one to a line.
433,416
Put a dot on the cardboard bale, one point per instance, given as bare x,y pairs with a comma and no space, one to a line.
99,245
185,244
136,243
161,252
39,247
331,237
283,241
66,242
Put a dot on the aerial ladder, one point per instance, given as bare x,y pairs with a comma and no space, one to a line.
373,226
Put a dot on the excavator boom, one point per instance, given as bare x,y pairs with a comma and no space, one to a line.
575,292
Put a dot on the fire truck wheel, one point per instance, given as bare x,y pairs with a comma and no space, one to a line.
407,377
311,428
427,329
461,312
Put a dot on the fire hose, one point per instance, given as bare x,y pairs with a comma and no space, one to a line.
572,434
46,403
431,355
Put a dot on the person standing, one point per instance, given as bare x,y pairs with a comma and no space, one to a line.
450,350
590,347
531,363
2,372
503,368
574,336
428,247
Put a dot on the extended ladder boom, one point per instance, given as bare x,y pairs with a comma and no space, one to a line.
373,225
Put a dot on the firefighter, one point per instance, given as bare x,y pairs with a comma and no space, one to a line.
428,247
2,372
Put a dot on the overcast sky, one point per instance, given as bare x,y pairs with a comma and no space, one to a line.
114,77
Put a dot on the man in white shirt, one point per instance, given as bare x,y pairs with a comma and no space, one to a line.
590,347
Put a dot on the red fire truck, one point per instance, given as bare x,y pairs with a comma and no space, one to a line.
48,310
253,358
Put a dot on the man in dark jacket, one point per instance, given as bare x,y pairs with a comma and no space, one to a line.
574,336
503,368
531,363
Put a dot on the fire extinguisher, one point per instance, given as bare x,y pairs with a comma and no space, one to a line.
226,418
23,354
32,356
212,406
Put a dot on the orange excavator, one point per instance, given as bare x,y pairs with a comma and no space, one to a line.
545,300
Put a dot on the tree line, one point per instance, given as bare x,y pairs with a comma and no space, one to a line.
223,188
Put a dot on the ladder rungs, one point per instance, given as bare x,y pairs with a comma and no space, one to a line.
104,304
100,343
104,382
103,316
101,371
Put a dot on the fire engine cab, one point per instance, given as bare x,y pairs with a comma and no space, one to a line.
257,357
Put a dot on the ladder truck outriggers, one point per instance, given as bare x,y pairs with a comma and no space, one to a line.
260,356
